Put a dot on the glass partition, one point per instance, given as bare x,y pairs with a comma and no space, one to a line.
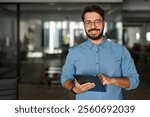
8,41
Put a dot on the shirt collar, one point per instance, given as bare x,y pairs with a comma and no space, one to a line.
90,44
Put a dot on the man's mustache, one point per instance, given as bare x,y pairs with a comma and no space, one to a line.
93,30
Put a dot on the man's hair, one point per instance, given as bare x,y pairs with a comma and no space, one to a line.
93,8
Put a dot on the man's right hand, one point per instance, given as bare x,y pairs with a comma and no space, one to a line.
80,88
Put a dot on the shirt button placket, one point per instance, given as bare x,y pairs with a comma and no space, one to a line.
97,60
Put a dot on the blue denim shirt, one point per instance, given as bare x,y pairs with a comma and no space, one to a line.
108,58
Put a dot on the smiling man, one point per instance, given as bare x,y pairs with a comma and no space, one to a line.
111,63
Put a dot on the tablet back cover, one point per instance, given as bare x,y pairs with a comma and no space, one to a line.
86,78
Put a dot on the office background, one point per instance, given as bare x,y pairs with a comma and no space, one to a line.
35,36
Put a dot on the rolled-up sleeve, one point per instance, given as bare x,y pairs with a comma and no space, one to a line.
129,70
68,69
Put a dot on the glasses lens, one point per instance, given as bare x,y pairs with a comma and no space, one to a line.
87,23
97,22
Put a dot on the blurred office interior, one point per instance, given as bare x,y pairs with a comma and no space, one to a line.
35,36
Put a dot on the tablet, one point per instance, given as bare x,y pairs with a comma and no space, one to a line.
93,79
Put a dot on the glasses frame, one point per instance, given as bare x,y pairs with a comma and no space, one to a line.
96,22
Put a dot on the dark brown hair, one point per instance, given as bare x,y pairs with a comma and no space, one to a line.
93,8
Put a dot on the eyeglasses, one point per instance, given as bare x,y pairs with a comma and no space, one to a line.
96,22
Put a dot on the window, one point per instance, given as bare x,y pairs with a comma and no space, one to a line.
137,36
148,36
60,35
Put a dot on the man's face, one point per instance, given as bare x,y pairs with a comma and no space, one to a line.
93,25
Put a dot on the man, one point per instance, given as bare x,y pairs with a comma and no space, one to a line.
98,56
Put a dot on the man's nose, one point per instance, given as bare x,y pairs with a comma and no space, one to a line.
93,25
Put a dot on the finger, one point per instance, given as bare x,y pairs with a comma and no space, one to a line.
87,83
77,83
104,83
88,86
99,75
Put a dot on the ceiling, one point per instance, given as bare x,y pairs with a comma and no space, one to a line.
133,12
62,1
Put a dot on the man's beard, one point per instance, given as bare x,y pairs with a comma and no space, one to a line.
94,37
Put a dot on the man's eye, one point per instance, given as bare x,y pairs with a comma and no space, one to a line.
98,21
87,22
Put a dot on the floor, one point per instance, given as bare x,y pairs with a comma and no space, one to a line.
34,86
44,92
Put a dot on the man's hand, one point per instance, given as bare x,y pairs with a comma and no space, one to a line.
80,88
104,79
122,82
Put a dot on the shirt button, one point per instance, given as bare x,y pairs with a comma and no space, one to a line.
97,63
